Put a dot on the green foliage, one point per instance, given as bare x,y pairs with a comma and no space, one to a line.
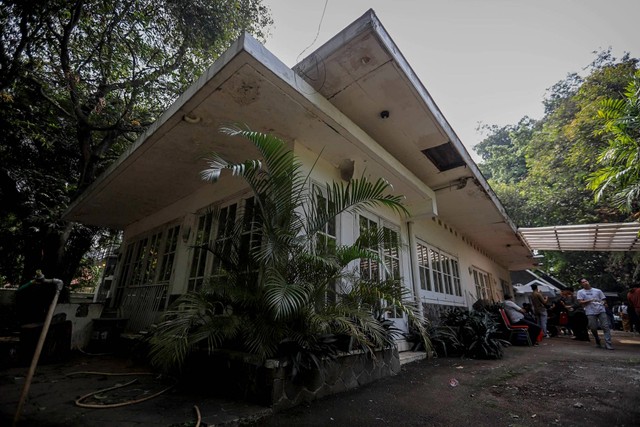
619,162
79,82
477,333
287,293
445,340
502,151
481,336
559,152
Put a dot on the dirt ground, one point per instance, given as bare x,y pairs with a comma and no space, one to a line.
561,382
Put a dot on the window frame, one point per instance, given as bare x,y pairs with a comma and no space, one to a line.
144,259
482,286
219,233
439,269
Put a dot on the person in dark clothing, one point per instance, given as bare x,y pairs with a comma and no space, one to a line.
528,312
555,314
578,321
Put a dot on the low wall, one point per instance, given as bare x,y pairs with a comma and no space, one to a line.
345,373
242,376
81,317
81,313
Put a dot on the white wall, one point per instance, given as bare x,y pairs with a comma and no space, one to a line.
433,231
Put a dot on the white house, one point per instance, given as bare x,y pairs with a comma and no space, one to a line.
357,104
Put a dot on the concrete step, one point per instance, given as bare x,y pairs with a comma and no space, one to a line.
411,356
403,345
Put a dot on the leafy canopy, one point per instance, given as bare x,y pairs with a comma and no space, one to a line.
539,169
80,80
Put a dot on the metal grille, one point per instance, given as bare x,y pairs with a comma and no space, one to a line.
140,305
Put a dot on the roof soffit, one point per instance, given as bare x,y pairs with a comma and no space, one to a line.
362,71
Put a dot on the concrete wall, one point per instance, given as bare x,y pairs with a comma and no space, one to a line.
243,376
81,317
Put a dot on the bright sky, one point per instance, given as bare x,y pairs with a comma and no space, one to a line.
482,61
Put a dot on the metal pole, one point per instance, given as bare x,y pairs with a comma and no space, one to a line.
36,354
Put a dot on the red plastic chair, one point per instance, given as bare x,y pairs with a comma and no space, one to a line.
514,329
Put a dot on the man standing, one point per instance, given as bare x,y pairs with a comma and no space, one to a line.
594,302
539,303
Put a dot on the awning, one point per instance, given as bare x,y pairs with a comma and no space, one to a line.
546,289
584,237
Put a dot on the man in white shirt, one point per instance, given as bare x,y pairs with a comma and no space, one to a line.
594,303
516,317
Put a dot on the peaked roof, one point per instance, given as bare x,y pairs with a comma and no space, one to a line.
528,277
338,112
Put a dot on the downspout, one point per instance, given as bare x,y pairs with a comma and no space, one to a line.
415,274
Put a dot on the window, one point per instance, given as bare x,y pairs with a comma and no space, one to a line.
481,280
391,253
455,273
148,260
251,225
169,254
435,268
424,271
438,271
326,239
199,255
226,224
369,269
124,274
388,253
223,225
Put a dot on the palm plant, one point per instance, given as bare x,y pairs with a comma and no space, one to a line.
619,162
281,293
478,332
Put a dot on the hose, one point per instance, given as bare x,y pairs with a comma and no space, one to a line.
79,401
198,414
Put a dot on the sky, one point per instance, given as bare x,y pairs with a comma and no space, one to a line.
483,61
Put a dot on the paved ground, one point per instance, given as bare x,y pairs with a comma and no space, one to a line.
562,382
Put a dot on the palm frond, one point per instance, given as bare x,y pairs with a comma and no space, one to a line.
357,194
282,297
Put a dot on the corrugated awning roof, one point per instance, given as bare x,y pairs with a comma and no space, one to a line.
584,237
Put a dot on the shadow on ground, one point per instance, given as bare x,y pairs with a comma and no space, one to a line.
562,382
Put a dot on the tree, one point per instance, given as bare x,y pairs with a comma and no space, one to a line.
283,291
619,162
79,82
559,151
502,151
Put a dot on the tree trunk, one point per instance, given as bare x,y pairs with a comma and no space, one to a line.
57,252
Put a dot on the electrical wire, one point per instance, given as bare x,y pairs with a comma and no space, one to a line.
320,68
317,32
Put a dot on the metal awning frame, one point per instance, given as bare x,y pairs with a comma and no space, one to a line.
618,237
